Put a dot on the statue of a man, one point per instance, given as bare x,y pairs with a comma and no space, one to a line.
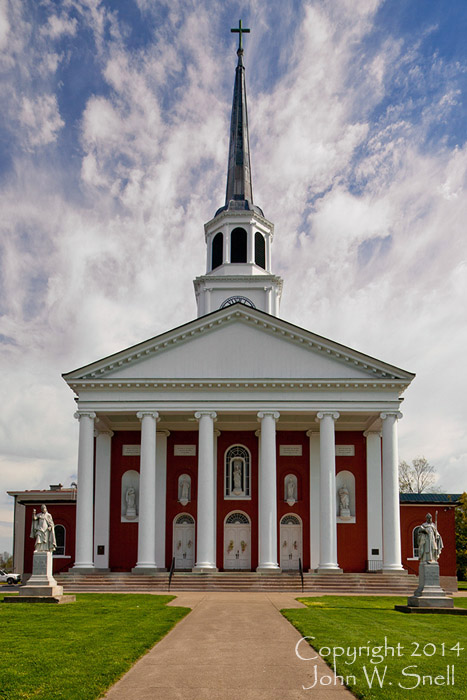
130,499
43,531
430,542
344,499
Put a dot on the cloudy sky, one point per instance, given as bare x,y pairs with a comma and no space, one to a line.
113,153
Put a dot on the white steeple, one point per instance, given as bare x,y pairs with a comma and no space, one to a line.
239,237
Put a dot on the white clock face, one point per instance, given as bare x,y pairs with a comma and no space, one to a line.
237,300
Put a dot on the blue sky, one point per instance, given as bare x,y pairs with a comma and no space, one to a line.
113,153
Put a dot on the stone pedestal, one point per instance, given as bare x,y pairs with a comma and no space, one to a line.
41,587
429,593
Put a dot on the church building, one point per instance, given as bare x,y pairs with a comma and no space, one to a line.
238,441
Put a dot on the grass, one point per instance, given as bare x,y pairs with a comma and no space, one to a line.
78,650
426,642
462,585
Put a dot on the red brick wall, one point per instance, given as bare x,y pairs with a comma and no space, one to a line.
352,537
123,545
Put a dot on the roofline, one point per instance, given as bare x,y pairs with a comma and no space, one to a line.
245,309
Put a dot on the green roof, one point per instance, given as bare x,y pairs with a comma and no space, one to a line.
429,497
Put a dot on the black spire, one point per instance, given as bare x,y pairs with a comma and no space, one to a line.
239,192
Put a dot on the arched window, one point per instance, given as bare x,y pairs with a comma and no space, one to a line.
260,250
60,539
238,245
237,472
184,519
217,251
235,518
415,532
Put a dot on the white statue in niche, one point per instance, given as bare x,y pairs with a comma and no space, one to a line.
291,489
237,477
184,489
130,500
344,502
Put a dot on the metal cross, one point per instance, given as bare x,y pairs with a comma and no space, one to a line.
241,30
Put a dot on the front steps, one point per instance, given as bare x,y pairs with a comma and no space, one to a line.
362,584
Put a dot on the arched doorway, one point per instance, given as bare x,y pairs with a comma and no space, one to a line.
290,541
237,541
184,541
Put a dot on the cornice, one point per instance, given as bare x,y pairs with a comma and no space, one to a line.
240,214
237,385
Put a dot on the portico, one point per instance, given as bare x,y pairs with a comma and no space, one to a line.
178,426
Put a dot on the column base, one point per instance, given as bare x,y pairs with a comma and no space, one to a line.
268,570
205,570
145,570
329,570
84,570
395,570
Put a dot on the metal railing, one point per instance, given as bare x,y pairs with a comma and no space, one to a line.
300,569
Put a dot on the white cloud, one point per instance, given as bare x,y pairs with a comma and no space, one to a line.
4,25
58,26
41,120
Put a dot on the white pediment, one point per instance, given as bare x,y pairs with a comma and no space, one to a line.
238,343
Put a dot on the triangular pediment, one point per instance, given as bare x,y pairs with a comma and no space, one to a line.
238,343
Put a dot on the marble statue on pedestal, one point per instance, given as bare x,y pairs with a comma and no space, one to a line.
344,502
130,499
429,593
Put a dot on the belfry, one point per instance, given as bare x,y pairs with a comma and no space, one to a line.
238,441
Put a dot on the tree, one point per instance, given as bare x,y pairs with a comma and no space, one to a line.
418,477
461,537
6,560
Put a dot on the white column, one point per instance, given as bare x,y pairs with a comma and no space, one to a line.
268,493
250,245
226,246
392,558
314,499
161,495
328,534
85,494
206,512
147,494
374,498
207,300
102,498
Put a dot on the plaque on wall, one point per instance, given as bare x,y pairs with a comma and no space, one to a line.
290,450
131,450
185,450
345,450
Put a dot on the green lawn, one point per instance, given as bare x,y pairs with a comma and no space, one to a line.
76,651
360,632
462,585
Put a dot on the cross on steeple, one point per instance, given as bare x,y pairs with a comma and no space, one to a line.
240,30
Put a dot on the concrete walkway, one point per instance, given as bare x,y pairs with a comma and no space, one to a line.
231,646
